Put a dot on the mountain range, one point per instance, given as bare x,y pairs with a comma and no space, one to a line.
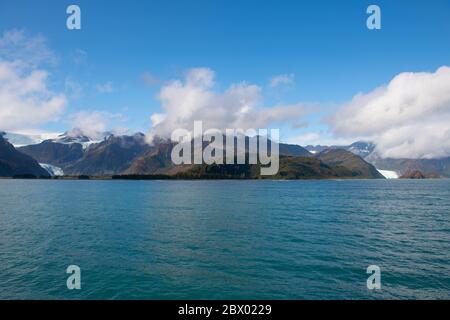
428,167
74,153
360,148
367,151
131,155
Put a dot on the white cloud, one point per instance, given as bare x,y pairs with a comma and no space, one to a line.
95,124
25,100
282,79
18,46
194,98
408,118
89,123
105,87
157,118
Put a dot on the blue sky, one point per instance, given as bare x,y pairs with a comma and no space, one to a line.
323,48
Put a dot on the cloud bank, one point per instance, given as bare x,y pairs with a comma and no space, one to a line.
194,98
408,118
25,99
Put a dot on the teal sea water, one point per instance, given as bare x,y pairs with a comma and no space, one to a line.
225,239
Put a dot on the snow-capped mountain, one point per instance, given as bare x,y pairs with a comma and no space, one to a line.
68,137
77,136
316,149
23,139
13,162
70,153
360,148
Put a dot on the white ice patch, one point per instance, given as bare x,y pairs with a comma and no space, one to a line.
86,145
388,174
52,170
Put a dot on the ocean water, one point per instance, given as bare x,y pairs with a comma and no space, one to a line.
225,239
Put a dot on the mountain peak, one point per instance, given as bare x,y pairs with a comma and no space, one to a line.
13,162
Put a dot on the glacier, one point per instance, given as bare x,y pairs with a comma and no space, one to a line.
52,170
388,174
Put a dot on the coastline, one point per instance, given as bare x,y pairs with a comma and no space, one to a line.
178,178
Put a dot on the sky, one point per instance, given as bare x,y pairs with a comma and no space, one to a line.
311,68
